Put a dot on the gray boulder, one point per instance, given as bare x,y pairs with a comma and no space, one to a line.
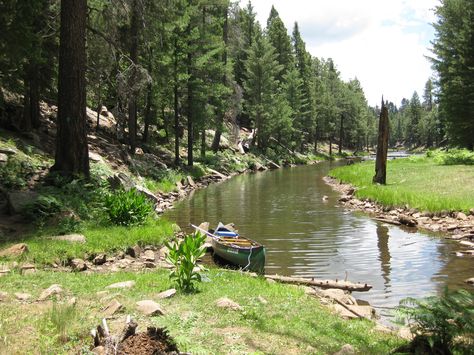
17,201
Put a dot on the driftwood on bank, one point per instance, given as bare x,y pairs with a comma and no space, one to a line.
342,285
389,221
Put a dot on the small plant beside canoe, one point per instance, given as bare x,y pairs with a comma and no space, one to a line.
184,256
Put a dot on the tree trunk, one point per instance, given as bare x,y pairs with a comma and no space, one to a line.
316,141
99,106
132,105
330,146
31,112
220,117
72,155
148,113
341,133
382,148
203,143
190,109
176,106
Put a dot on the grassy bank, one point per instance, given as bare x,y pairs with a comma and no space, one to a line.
419,182
289,323
108,239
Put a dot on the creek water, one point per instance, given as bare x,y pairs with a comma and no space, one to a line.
306,236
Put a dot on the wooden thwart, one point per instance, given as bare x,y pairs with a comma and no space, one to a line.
343,285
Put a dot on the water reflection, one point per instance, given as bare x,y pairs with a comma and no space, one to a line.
305,236
382,235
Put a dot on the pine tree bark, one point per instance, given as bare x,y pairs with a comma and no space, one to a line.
380,176
72,155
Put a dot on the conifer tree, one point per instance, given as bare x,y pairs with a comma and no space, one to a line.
261,86
281,41
454,62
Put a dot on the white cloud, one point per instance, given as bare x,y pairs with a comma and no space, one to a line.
381,42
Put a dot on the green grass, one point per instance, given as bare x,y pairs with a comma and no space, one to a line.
100,239
418,182
291,322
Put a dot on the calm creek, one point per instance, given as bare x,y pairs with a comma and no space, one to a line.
306,236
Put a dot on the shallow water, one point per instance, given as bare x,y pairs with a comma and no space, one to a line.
305,236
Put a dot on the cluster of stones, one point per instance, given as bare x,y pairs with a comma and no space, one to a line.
165,201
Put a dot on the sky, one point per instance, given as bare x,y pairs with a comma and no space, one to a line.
381,42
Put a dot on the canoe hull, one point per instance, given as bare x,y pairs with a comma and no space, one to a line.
241,256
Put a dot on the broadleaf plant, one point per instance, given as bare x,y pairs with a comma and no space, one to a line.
184,256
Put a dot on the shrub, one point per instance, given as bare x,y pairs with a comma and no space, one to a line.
447,322
452,156
184,256
16,172
127,208
44,207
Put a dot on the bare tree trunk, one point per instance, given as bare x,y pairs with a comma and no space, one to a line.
72,155
330,146
380,176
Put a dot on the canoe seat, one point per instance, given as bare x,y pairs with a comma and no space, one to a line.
226,234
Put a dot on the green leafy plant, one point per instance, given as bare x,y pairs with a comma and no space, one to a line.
43,207
184,256
127,208
446,322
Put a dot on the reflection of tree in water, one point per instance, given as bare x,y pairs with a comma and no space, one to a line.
384,257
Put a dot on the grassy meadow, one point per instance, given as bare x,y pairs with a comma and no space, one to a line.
419,182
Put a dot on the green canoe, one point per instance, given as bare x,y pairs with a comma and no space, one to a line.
237,250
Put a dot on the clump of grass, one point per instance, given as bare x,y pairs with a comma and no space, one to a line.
57,323
416,181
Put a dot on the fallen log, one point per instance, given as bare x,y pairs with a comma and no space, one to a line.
389,221
342,285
